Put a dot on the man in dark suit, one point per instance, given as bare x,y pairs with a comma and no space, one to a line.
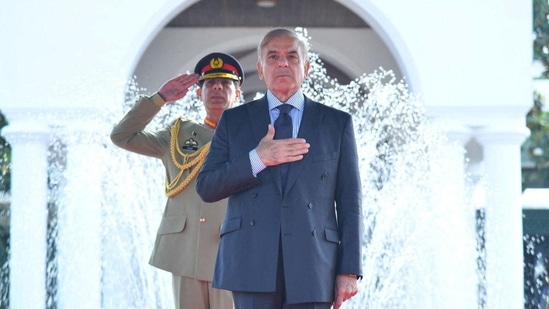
293,240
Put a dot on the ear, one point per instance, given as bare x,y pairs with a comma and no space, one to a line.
199,93
306,68
259,70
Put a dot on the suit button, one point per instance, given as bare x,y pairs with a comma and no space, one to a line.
314,233
252,222
310,205
254,194
324,177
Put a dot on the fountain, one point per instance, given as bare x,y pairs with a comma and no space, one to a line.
420,220
420,242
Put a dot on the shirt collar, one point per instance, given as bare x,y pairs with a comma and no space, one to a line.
297,100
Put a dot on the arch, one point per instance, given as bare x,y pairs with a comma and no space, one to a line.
150,30
241,40
369,12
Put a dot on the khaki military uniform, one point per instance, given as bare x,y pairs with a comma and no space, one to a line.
188,236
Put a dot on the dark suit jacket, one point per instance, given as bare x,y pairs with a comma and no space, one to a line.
318,217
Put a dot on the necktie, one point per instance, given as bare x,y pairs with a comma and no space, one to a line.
283,129
283,124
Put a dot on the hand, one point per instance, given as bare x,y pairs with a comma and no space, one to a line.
277,151
346,287
177,87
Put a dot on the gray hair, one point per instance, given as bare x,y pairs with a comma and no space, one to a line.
303,45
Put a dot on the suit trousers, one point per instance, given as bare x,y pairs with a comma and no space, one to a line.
273,300
191,293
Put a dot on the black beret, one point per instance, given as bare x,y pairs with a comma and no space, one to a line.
219,65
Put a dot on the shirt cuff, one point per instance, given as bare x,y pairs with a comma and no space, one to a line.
255,161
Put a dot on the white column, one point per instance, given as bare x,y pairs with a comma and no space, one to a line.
79,223
457,261
503,225
28,225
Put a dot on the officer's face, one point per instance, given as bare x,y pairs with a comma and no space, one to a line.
283,66
218,93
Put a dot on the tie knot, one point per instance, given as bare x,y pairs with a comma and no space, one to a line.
284,108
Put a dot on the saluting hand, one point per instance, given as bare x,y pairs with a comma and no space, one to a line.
177,87
277,151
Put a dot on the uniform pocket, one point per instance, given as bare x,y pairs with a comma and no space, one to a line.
172,224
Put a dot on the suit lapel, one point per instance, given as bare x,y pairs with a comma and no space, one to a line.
258,113
308,130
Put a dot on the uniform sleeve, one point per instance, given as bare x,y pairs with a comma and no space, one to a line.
130,132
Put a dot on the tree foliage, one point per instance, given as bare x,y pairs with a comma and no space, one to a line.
5,160
535,150
541,34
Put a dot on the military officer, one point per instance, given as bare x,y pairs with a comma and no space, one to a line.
187,239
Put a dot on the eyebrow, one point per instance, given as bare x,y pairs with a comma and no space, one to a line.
270,52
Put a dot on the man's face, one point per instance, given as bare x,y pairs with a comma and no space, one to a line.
282,65
218,93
